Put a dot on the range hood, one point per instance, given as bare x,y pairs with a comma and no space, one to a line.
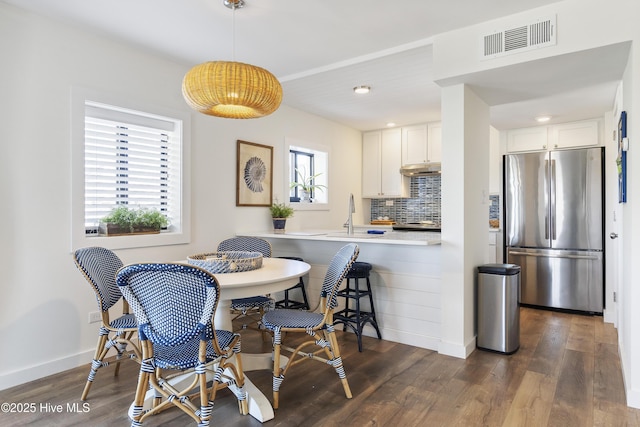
419,169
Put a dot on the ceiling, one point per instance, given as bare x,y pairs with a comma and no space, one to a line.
321,50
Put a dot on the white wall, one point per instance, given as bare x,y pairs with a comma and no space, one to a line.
465,188
44,300
629,316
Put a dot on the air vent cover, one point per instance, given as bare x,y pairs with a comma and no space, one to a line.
520,38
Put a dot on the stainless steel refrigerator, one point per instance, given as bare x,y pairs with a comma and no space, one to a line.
554,227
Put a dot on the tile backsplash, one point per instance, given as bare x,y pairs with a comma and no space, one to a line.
423,203
494,208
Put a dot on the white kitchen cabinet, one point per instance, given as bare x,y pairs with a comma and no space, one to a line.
566,135
414,144
527,139
434,140
421,143
381,162
371,171
575,134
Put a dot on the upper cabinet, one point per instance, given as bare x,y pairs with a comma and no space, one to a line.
527,139
434,141
566,135
381,162
421,143
576,134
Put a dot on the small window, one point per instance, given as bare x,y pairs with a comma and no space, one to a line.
308,177
127,161
132,158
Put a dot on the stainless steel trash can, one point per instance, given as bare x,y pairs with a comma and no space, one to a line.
498,310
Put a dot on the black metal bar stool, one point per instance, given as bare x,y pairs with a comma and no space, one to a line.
289,303
356,318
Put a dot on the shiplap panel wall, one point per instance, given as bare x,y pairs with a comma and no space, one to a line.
406,283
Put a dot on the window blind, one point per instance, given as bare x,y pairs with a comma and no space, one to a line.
129,159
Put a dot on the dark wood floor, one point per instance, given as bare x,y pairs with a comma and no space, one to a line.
566,373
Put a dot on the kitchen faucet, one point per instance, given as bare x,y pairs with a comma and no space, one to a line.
352,209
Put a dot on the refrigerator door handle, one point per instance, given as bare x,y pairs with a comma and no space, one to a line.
552,197
546,214
553,256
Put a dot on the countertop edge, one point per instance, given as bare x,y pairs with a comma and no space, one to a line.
322,236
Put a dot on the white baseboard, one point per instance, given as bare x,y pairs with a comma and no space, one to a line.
633,395
609,316
633,398
457,350
36,372
403,337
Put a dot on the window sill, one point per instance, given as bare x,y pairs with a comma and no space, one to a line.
299,206
135,241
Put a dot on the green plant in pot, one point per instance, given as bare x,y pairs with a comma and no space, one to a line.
307,185
125,220
279,214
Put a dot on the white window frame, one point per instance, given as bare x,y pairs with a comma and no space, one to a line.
296,144
180,230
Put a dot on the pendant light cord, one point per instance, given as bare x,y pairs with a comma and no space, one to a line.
233,35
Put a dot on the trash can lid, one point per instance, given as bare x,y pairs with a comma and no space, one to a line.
501,269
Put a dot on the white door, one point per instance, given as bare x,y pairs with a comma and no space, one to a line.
614,269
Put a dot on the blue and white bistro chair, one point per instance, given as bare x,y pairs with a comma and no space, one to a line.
174,305
99,267
318,325
251,307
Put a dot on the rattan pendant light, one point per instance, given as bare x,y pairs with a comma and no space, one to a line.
231,89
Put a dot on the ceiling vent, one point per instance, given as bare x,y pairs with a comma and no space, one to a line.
540,33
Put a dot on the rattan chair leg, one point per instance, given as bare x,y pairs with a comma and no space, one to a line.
243,405
277,379
138,402
126,337
205,407
266,335
335,349
98,357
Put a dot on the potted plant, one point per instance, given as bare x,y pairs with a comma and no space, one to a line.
279,214
306,185
124,220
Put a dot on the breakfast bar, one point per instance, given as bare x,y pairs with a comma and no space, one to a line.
406,276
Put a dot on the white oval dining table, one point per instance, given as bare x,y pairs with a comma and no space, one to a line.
276,274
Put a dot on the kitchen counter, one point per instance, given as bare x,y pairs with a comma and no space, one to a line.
406,276
360,235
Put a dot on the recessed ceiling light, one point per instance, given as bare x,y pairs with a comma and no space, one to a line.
390,124
542,119
362,89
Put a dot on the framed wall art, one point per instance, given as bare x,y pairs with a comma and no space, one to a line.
621,160
254,181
